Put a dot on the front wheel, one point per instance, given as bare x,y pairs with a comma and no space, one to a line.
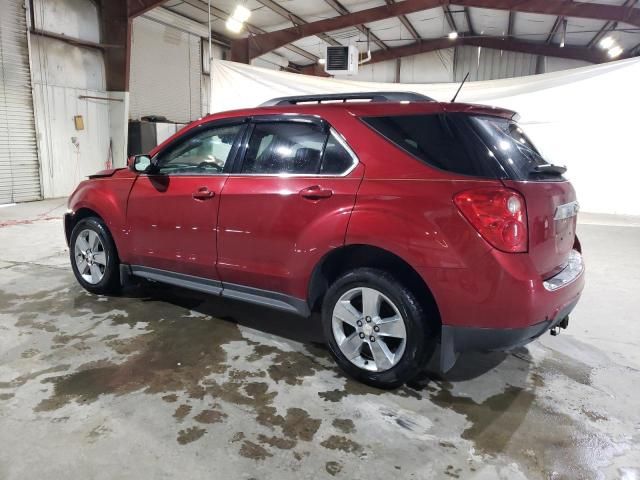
376,329
94,259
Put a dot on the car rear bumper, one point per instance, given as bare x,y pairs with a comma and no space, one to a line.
500,302
456,340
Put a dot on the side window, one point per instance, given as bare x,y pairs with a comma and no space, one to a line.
205,153
285,147
336,159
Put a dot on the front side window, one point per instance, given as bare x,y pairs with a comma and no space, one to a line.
285,147
205,153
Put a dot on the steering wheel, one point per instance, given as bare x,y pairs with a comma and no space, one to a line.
210,165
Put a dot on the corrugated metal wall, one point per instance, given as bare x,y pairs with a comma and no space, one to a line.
19,166
487,64
166,72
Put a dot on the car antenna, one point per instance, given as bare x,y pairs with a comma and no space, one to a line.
460,88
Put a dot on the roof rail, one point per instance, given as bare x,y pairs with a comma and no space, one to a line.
344,97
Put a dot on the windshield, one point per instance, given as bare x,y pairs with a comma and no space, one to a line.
515,151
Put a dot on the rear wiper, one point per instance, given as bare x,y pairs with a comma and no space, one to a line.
549,168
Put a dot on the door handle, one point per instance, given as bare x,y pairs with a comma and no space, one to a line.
203,193
316,192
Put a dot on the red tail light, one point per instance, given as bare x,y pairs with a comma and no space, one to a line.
498,214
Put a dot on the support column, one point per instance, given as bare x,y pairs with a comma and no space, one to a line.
116,32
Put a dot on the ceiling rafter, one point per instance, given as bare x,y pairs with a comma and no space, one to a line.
138,7
554,29
407,24
609,26
496,43
467,16
243,50
449,17
221,14
295,19
511,23
342,10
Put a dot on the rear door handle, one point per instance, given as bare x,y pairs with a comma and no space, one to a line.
316,192
203,193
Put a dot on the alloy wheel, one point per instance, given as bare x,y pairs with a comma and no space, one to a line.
369,329
90,256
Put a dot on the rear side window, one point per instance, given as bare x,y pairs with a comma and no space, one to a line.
444,141
295,148
285,147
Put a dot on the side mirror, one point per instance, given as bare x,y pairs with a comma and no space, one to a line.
140,163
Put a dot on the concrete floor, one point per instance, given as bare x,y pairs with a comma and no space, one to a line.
165,383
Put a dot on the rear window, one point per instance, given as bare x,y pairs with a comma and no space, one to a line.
513,148
444,141
472,145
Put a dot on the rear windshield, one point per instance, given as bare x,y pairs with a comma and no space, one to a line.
472,145
515,151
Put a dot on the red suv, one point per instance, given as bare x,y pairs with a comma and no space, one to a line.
401,219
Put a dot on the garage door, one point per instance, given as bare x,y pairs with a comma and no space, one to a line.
19,168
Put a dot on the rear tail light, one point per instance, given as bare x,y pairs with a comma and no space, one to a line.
498,214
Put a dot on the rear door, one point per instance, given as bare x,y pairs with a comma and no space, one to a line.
286,204
172,212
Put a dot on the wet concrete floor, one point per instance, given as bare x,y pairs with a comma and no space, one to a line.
162,382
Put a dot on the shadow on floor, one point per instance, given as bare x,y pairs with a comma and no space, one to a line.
305,330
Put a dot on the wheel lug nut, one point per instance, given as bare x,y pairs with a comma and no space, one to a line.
361,335
372,338
368,319
359,323
376,328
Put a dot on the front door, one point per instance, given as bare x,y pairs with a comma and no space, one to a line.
286,205
172,211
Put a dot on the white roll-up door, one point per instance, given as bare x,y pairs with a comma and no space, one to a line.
165,72
19,167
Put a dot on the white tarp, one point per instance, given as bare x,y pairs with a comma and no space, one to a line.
585,118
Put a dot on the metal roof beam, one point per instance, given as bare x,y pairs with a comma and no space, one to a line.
407,24
496,43
243,50
341,9
221,14
295,19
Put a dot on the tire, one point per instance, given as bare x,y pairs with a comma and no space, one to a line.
345,299
91,247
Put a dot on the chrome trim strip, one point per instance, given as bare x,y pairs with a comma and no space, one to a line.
574,268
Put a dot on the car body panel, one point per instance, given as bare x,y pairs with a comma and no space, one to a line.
271,238
169,228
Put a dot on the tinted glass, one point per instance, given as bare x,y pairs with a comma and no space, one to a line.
205,153
336,159
511,146
444,141
285,147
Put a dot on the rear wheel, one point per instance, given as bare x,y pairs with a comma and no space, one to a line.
376,328
94,259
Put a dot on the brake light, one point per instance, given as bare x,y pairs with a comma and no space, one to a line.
498,214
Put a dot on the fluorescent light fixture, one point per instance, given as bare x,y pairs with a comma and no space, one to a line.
234,25
241,13
607,42
322,61
615,51
453,35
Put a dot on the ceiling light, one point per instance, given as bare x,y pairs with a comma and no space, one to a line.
453,35
615,51
241,13
322,61
234,25
607,42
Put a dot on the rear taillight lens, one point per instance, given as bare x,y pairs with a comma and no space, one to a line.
498,214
